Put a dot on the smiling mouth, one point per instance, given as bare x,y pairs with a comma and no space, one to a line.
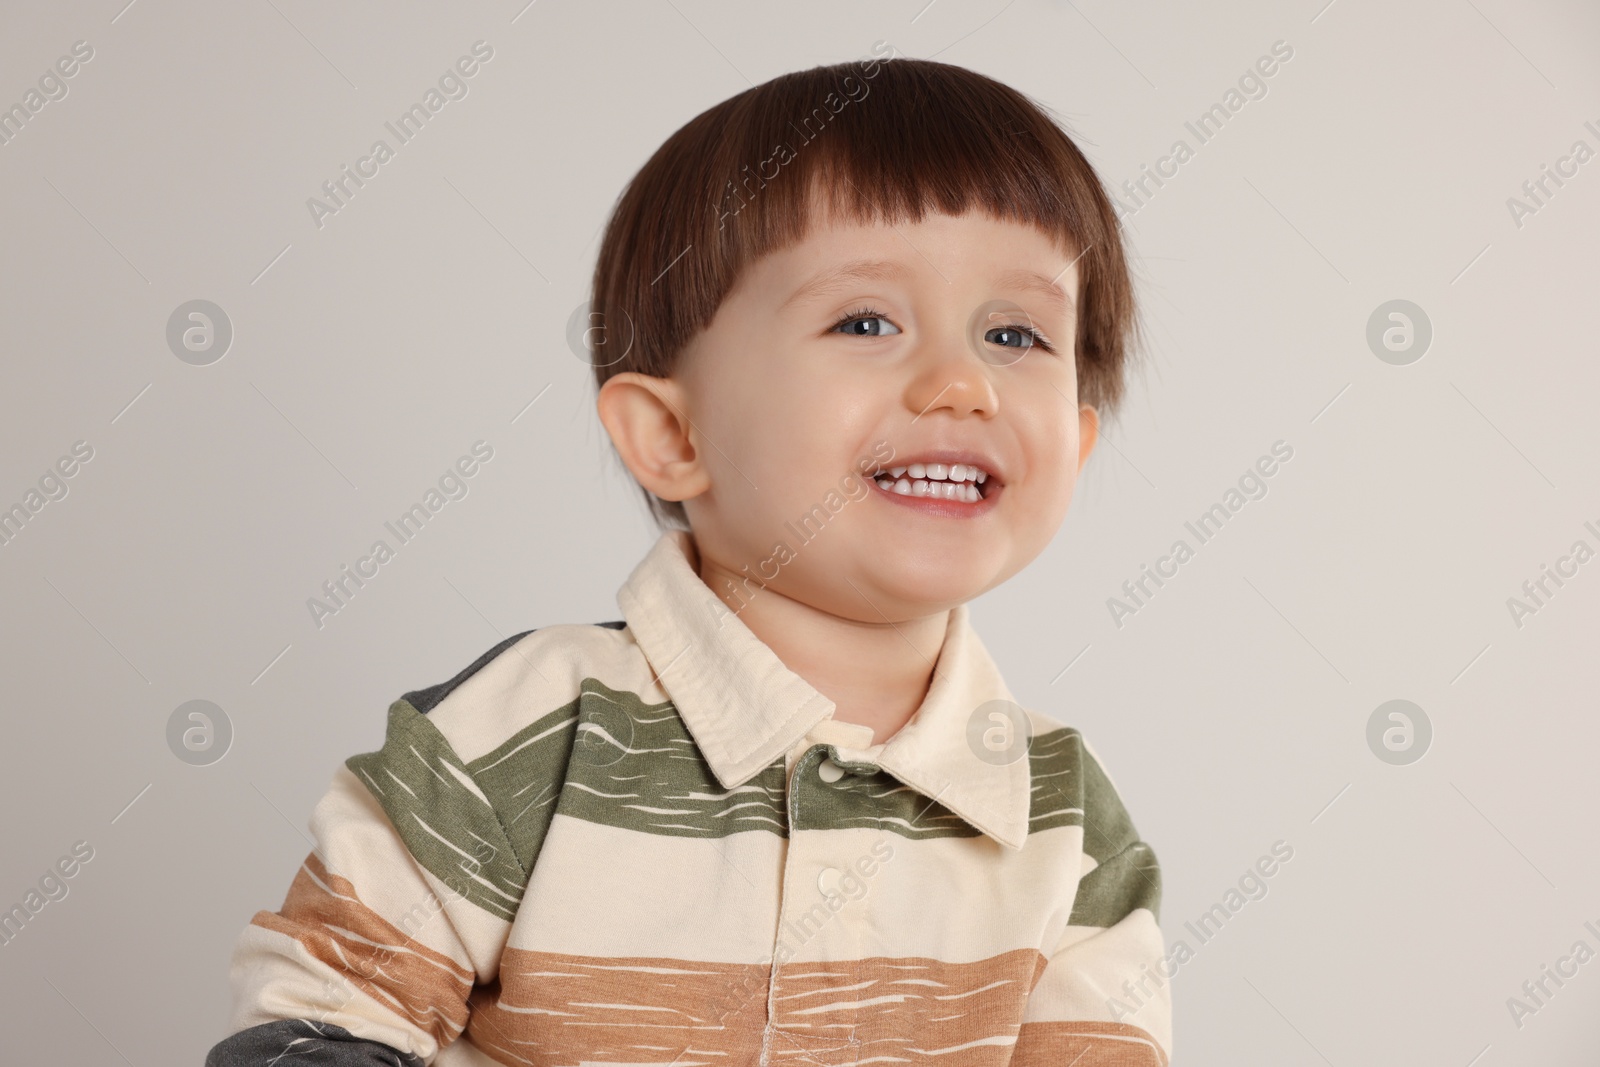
959,482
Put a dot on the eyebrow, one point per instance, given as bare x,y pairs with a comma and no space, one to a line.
1034,282
843,276
871,270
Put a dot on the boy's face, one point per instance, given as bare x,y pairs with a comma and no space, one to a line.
785,407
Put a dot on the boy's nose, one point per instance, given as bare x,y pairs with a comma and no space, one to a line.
954,379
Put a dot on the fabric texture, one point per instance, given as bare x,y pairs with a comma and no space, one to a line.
647,841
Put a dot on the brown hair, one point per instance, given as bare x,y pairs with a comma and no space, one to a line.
881,139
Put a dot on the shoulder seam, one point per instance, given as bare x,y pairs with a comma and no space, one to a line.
430,697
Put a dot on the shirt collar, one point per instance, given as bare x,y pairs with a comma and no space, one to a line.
745,709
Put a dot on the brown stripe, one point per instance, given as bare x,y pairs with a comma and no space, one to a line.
421,984
550,1008
1086,1044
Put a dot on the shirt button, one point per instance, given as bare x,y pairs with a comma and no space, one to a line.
828,880
829,771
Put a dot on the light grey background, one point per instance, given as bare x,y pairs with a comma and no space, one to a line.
432,310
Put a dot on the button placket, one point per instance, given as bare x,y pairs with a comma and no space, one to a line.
810,873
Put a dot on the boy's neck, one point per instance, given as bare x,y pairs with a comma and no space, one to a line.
876,674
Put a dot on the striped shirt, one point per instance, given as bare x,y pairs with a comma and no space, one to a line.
648,841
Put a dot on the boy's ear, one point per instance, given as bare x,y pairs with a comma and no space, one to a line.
645,417
1088,433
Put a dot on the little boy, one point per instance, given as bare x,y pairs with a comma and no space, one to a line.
853,331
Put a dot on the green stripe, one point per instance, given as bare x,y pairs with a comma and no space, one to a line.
608,757
1070,788
456,836
1066,782
870,798
636,766
1069,782
1130,879
522,778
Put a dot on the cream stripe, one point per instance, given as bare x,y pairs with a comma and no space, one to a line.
274,977
604,891
465,1054
534,677
1078,985
956,899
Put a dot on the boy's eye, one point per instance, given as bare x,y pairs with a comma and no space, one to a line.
859,323
1015,337
865,322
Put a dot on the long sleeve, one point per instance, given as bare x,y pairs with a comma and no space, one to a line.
1105,993
400,909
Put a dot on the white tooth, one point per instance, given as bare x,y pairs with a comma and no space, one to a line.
958,472
916,470
951,489
938,470
982,474
972,494
921,487
897,471
903,487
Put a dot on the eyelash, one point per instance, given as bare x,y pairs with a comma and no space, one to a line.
869,313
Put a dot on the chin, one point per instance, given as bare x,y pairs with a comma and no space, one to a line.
934,593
